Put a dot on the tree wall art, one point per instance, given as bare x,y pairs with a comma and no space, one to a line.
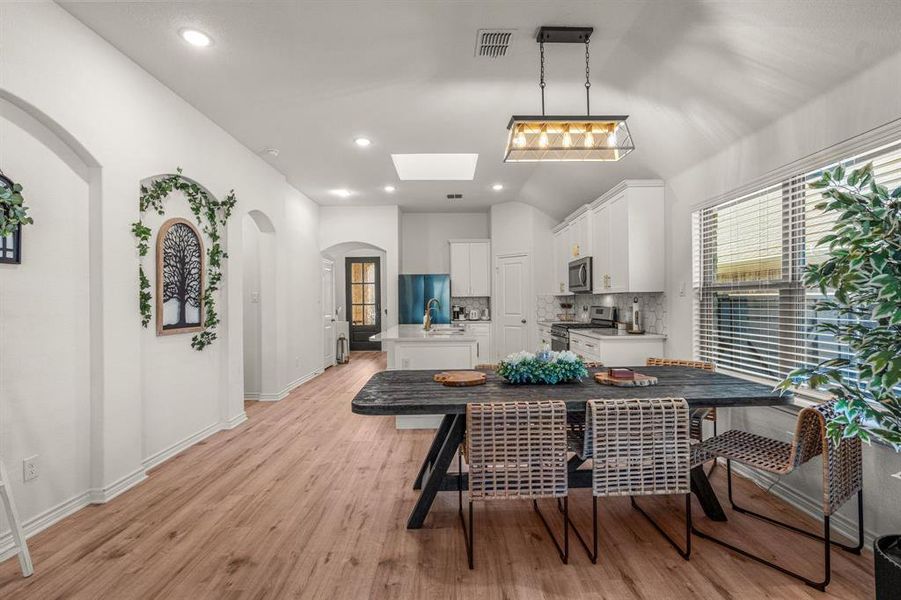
179,278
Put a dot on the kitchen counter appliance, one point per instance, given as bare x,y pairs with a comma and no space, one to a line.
580,275
601,317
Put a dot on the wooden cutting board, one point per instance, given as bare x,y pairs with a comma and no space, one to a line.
460,378
639,381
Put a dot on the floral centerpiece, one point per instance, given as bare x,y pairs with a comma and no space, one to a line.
544,367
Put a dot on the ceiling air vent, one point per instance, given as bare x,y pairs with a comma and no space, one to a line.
493,43
454,196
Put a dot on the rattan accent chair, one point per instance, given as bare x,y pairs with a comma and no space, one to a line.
639,447
516,451
842,476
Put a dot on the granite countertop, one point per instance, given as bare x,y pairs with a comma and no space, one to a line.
615,334
464,321
445,334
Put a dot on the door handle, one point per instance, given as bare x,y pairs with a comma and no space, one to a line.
523,321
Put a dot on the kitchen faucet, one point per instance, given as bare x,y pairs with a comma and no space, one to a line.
427,318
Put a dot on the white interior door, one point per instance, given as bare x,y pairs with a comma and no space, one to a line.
514,299
328,313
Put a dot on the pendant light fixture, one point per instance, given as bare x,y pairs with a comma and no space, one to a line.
547,138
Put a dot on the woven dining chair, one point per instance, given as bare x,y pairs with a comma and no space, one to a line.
698,416
516,451
842,476
639,447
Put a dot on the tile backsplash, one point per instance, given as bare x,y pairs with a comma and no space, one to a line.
651,305
470,303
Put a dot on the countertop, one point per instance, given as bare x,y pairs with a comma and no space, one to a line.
465,321
615,335
415,333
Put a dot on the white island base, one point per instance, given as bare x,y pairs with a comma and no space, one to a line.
409,347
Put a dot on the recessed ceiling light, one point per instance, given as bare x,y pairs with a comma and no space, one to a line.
497,187
435,167
389,188
362,142
341,192
196,38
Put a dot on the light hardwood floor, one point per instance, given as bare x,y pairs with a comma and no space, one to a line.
308,500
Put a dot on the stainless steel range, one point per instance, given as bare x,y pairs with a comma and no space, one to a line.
601,317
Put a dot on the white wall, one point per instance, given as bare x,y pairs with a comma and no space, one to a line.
45,401
252,318
377,226
424,238
863,103
148,396
521,228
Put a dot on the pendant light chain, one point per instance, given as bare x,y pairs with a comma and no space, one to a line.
541,83
587,80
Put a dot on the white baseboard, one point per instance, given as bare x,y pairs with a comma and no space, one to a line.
417,422
235,421
847,527
275,397
108,492
42,521
167,453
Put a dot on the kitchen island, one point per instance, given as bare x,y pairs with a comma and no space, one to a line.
443,347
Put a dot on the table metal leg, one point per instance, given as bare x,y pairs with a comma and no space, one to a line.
434,477
701,487
443,428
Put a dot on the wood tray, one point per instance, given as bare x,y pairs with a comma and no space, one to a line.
639,381
460,378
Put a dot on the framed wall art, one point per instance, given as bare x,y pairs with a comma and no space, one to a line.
179,278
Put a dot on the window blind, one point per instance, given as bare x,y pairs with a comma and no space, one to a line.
753,313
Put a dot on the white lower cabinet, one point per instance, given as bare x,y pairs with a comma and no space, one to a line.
544,336
631,351
482,333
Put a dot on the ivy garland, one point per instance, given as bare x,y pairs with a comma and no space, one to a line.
211,214
13,211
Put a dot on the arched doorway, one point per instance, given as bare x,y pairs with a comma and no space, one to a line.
360,287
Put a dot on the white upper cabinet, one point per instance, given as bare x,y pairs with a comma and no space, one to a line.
470,268
480,269
562,256
580,236
627,238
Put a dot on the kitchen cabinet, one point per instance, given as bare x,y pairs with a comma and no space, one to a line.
544,336
580,236
470,268
562,256
616,351
627,230
482,333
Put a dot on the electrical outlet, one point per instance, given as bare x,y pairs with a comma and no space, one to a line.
296,361
30,468
897,475
255,297
405,363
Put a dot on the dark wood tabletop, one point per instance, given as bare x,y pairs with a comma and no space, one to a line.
415,393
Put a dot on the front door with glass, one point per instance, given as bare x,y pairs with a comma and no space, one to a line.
363,301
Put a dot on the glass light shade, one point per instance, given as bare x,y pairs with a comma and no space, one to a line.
561,139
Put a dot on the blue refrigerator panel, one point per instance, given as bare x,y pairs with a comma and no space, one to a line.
415,290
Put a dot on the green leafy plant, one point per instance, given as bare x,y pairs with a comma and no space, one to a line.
211,215
863,271
544,367
13,211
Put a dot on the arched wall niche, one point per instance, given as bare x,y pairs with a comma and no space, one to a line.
259,305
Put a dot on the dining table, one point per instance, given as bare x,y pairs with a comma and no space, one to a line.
414,392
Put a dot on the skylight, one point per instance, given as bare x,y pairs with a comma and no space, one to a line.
435,167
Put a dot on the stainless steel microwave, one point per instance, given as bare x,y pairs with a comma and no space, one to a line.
580,275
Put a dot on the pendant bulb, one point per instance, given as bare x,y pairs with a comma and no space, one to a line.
567,138
588,140
542,137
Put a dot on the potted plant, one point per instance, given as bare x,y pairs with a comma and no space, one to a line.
863,270
13,211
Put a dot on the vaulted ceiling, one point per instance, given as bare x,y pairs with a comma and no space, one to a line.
309,77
